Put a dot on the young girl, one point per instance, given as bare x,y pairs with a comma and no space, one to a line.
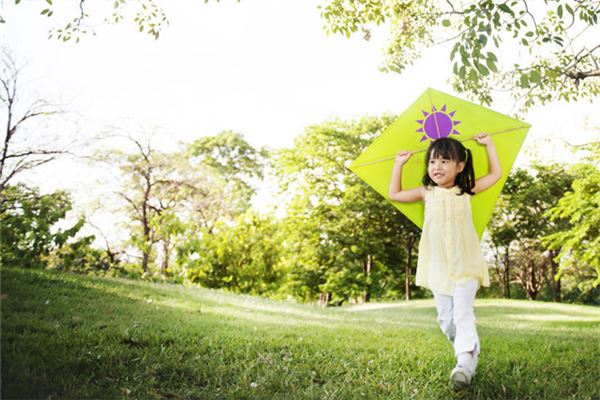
450,260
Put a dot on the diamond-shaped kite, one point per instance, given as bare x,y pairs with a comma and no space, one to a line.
434,115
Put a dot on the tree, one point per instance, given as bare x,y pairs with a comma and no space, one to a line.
28,219
343,241
578,244
141,169
172,197
558,40
234,161
242,256
521,222
532,267
152,189
19,151
502,234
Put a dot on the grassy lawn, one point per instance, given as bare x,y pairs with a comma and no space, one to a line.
69,336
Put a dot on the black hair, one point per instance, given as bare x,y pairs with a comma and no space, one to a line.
454,150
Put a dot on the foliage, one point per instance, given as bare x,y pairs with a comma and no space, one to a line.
80,256
579,243
555,45
234,161
147,15
173,198
28,225
520,221
341,236
241,257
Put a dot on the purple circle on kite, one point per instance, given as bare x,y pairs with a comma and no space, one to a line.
438,125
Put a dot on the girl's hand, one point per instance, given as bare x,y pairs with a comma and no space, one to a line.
483,138
402,157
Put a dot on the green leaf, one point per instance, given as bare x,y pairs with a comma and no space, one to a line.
496,19
535,77
491,56
446,23
506,9
482,69
473,75
524,42
491,65
454,50
524,81
558,40
45,11
17,1
463,56
569,9
483,40
559,10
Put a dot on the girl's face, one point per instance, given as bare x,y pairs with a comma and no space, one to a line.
443,171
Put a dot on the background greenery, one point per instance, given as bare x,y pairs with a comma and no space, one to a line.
188,218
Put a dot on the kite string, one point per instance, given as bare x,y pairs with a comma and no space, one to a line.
391,157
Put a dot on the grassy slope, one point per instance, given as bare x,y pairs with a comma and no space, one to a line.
68,336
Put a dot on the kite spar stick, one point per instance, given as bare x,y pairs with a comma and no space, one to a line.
419,151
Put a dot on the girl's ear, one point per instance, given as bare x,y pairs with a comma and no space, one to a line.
460,166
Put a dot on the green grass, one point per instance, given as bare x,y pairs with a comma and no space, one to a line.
69,336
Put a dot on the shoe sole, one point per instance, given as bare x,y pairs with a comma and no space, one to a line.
459,380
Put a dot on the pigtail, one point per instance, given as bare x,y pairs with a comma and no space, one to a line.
466,178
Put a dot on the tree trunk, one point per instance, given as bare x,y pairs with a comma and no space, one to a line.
555,278
165,261
367,265
145,257
146,223
531,293
324,299
407,268
506,280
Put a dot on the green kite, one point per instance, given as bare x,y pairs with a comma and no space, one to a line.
435,115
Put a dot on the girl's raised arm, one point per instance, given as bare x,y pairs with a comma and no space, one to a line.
495,173
395,192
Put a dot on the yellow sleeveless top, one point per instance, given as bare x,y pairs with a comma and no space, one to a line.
449,250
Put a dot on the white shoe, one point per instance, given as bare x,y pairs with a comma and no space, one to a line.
461,377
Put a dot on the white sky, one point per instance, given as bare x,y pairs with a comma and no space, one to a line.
264,68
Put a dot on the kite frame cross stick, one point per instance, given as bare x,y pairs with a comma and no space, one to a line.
391,157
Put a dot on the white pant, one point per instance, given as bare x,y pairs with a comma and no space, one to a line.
457,317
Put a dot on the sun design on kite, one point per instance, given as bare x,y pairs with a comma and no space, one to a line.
437,124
